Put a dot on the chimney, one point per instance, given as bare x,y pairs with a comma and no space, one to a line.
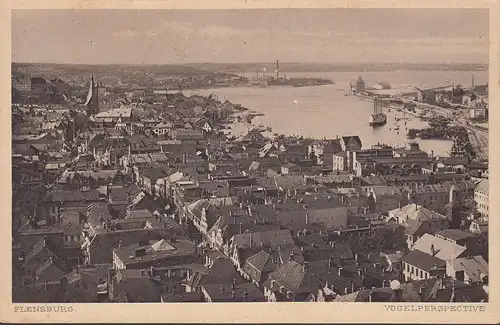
222,287
291,257
307,217
140,252
184,158
339,270
330,262
233,294
152,271
305,266
433,250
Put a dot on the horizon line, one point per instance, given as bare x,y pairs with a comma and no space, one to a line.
256,62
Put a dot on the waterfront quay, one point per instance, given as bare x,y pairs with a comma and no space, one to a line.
459,106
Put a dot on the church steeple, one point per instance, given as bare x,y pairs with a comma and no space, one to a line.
92,101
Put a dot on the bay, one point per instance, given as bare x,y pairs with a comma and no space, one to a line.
325,111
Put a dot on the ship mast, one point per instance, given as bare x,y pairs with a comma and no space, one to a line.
377,106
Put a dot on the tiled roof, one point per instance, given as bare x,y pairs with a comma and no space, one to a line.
221,271
443,249
483,186
72,196
475,267
423,260
241,292
295,278
455,234
265,238
417,213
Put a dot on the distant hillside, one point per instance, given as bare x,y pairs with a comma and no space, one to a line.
193,69
334,67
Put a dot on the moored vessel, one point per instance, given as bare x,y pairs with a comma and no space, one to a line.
378,118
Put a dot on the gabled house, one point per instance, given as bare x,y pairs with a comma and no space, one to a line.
291,282
418,221
350,143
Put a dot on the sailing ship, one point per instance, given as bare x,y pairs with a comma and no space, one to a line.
378,117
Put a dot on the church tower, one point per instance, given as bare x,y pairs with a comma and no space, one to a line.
92,101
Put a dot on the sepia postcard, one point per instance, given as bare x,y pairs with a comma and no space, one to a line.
250,162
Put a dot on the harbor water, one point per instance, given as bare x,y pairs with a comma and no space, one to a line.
326,111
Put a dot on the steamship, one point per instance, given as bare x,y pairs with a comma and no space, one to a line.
378,118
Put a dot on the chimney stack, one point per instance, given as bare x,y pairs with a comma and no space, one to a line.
339,270
291,257
330,262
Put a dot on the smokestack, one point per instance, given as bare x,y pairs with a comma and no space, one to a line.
472,83
184,158
277,69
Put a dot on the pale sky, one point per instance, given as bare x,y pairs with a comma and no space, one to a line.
264,35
